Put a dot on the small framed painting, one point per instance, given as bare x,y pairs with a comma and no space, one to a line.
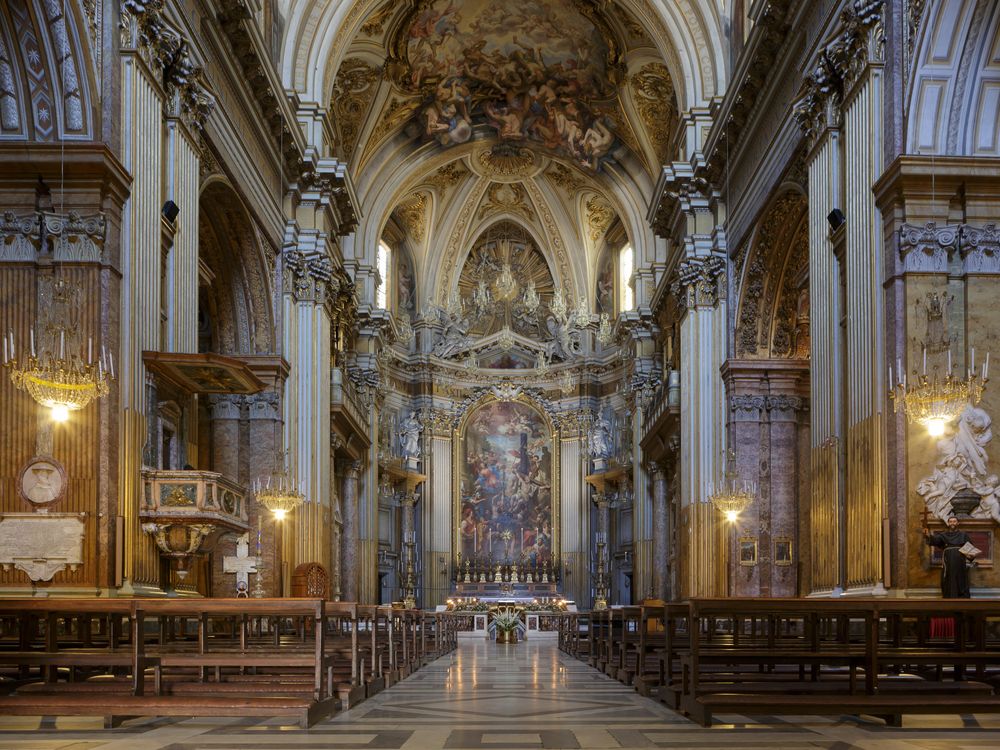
782,551
748,550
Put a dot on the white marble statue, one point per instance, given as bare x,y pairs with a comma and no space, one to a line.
409,436
962,464
600,438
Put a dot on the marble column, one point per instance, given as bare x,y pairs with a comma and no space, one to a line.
349,551
660,530
226,410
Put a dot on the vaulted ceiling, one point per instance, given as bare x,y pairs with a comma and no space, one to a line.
456,114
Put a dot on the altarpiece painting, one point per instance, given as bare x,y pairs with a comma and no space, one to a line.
506,485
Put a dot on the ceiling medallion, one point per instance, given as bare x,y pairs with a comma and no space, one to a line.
506,160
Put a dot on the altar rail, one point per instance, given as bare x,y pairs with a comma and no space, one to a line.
879,657
120,658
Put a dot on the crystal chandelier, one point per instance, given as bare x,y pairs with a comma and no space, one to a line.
558,304
734,497
455,308
934,402
530,298
505,285
279,494
63,382
541,364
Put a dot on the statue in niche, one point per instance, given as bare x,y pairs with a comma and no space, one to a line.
962,466
600,439
409,437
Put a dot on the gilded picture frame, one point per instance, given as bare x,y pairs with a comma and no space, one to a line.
748,551
784,551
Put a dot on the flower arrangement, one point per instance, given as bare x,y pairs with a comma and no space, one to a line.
505,622
506,619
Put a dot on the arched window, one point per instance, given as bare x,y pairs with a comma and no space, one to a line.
382,263
626,266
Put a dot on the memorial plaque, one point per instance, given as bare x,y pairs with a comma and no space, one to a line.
41,544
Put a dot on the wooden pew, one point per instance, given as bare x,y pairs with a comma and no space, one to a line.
789,656
121,648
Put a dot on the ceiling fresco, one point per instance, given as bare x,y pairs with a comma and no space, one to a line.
533,72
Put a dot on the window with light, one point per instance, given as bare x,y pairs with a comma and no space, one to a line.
626,261
382,263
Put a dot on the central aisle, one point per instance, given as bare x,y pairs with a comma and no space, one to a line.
518,697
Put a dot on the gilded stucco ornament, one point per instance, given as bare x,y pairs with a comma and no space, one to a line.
144,27
413,213
860,41
353,91
698,280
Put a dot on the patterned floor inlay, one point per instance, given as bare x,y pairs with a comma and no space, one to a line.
523,697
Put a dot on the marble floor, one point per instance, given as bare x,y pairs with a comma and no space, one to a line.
504,698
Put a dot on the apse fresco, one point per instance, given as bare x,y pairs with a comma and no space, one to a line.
533,71
506,485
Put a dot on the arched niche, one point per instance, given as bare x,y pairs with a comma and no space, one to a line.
772,319
506,479
235,314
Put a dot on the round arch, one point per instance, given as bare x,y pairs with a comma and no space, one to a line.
235,311
953,108
773,307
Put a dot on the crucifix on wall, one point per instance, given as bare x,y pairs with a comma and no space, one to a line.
242,565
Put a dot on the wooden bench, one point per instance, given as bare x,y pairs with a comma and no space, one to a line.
122,707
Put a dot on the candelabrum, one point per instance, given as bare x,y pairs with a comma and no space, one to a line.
410,585
935,401
600,584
